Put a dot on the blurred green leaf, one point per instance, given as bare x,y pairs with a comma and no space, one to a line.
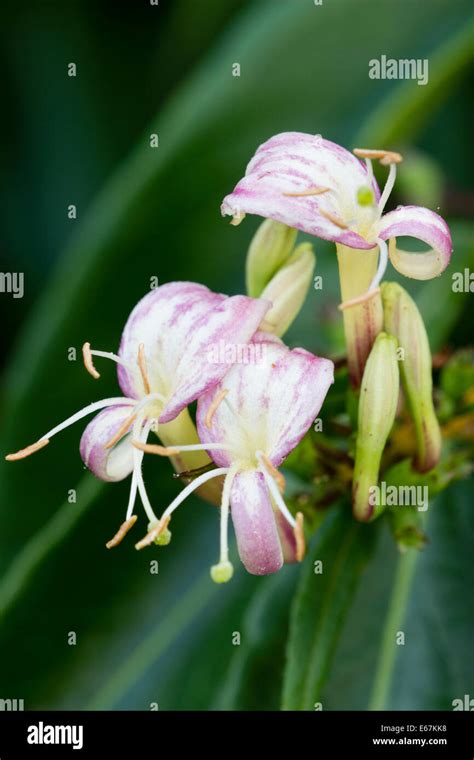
324,594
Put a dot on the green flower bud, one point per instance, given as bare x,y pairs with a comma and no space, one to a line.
377,408
270,248
288,288
402,319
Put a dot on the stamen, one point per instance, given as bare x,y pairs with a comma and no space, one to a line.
383,260
88,361
334,219
88,353
370,171
237,218
388,188
96,406
276,474
153,534
23,453
311,191
273,488
359,299
169,451
385,157
141,361
218,398
137,467
299,537
122,532
181,497
121,431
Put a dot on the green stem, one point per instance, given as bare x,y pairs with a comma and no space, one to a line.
396,615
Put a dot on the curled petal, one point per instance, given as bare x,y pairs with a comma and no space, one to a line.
254,523
107,464
270,403
426,225
180,325
297,178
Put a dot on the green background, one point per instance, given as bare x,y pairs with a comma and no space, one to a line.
167,638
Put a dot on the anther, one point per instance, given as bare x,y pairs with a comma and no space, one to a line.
334,219
276,474
299,537
121,431
122,532
218,398
152,448
385,157
23,453
141,361
153,534
360,299
311,191
88,361
237,218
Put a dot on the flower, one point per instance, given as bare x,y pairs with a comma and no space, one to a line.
248,424
320,188
162,367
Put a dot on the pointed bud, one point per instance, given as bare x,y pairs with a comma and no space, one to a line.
287,290
377,408
403,320
270,248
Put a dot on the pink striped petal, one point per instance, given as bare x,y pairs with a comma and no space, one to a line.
295,162
254,523
426,225
107,464
270,404
180,324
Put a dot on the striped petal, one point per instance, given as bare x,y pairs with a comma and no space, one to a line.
270,404
107,464
180,325
294,162
426,225
254,523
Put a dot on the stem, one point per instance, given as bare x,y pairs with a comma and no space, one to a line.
362,323
396,615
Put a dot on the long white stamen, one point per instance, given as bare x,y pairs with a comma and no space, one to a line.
225,504
388,188
133,495
273,488
383,260
137,466
94,407
192,487
113,357
169,451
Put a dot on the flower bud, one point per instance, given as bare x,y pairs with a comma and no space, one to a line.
402,319
377,408
271,246
287,290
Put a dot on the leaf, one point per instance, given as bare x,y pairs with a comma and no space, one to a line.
254,678
323,596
